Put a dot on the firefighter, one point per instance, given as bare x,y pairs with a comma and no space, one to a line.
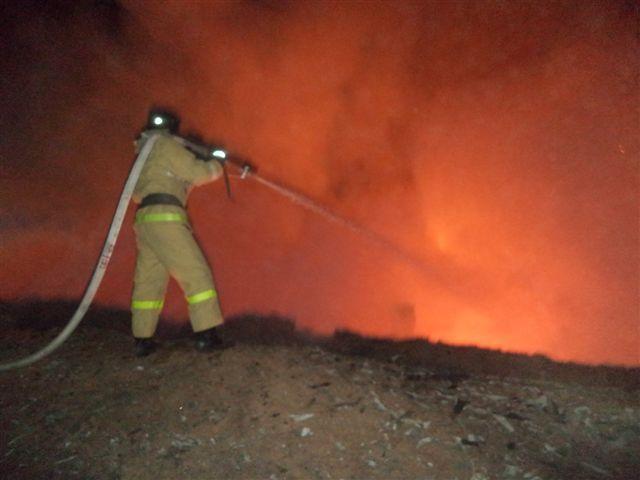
165,243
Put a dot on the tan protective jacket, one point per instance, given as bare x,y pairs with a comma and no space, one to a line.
172,169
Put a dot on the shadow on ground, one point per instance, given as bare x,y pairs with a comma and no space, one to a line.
451,363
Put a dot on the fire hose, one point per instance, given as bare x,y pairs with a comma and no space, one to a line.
107,249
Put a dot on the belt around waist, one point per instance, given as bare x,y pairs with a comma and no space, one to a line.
160,199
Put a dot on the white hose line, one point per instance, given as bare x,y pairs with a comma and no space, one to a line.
101,266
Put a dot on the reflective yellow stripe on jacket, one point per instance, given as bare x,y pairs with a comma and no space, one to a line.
142,217
201,297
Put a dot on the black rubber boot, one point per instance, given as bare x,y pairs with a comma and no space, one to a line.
144,347
209,340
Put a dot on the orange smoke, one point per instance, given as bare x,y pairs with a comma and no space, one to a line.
491,149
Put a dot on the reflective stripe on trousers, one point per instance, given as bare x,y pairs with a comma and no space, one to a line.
201,297
158,304
147,304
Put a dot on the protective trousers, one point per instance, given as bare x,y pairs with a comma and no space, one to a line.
166,247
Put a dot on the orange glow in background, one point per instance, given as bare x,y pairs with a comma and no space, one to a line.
494,146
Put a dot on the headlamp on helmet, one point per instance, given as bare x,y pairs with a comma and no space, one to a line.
161,119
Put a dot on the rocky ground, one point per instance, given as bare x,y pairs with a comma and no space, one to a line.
283,405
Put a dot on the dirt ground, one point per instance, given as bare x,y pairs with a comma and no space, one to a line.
280,404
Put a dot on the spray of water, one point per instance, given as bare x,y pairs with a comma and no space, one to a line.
375,238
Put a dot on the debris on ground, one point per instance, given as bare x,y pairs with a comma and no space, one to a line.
281,407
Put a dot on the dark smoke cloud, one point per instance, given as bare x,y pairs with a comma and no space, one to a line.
493,144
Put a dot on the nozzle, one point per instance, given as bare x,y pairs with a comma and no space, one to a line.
218,153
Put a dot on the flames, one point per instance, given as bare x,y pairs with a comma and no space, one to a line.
490,159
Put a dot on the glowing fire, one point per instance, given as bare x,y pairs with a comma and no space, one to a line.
490,155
